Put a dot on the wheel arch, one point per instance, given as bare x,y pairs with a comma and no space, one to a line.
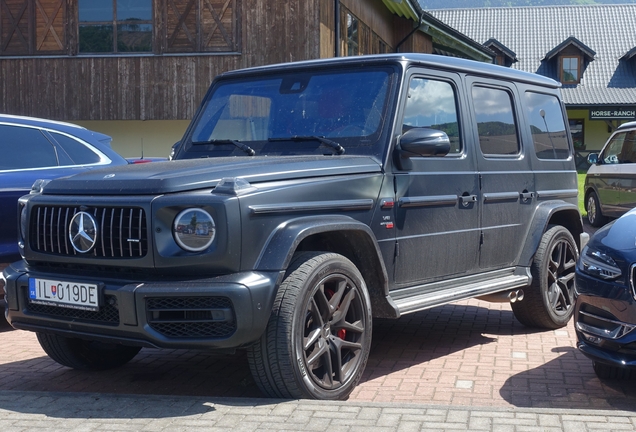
546,214
339,234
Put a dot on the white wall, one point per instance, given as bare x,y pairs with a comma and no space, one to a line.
157,135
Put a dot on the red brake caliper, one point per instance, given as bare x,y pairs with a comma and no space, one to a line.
342,333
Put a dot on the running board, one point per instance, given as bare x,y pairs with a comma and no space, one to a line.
431,299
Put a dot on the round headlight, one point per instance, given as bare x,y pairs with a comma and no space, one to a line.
23,221
194,229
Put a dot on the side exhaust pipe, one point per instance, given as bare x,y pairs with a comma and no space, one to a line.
504,296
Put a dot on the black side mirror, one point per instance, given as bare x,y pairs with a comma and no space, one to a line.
425,142
592,158
420,141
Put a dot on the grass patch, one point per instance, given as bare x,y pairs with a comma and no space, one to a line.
581,177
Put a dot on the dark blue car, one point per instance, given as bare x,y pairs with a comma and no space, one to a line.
605,310
32,149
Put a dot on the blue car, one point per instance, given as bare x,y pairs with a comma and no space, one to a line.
32,149
605,309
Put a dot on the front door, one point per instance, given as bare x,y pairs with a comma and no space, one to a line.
438,198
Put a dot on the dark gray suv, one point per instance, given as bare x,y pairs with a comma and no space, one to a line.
304,200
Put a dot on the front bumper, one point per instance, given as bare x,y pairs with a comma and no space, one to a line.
222,312
605,321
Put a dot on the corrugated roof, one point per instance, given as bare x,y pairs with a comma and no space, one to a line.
532,32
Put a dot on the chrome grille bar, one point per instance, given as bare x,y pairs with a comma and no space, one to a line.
50,226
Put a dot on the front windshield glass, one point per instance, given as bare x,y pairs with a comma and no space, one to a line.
299,113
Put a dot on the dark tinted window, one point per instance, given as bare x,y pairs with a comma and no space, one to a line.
23,147
495,121
547,126
79,153
433,104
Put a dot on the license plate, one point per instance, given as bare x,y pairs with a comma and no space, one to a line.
75,295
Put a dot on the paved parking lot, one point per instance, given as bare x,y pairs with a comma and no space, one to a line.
469,354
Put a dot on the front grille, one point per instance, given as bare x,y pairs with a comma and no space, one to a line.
121,231
191,317
107,314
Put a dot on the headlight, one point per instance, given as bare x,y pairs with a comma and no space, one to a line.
23,220
194,230
599,264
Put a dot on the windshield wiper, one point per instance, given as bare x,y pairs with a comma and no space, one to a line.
247,149
322,140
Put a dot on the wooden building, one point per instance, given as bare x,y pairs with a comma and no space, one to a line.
137,69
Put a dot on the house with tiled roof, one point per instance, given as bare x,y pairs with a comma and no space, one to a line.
591,50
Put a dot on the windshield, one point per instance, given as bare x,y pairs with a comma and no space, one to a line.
301,113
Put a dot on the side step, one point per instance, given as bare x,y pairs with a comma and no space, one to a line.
432,298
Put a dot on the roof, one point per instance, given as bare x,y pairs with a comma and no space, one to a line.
403,59
533,32
587,51
492,42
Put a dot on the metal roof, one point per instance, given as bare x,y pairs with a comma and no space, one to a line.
533,32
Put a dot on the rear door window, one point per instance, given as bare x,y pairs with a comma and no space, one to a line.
25,147
495,121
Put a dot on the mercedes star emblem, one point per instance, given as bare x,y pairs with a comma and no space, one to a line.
82,232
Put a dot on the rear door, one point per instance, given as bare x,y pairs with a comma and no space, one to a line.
507,181
606,176
627,170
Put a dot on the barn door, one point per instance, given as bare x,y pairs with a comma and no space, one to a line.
201,25
15,27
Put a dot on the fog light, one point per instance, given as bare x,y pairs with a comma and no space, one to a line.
593,339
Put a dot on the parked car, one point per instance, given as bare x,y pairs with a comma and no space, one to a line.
610,183
605,312
303,200
32,149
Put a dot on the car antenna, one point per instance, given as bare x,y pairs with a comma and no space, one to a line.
547,129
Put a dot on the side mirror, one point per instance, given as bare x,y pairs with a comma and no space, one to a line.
421,141
592,158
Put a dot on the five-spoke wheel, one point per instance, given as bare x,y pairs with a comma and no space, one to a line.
317,341
548,302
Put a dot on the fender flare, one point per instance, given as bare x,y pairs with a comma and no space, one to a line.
559,212
284,241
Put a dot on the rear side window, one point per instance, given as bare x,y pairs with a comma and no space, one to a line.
495,121
79,153
24,147
433,104
547,126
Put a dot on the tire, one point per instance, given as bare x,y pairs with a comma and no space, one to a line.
549,301
607,372
318,337
86,355
593,207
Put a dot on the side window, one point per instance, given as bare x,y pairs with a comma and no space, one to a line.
495,121
79,153
628,153
613,149
433,104
24,147
547,126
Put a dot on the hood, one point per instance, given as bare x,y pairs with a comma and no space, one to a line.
620,234
191,174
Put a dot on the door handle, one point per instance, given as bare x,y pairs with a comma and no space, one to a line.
468,199
525,196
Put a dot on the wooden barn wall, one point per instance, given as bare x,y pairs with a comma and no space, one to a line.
141,87
375,15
